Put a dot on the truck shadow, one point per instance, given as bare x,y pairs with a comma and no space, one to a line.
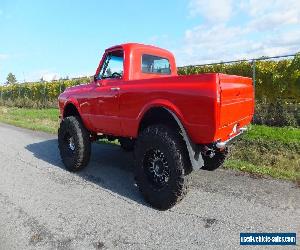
110,167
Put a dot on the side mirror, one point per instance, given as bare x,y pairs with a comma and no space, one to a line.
95,78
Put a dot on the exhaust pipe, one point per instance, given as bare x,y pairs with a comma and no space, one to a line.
208,152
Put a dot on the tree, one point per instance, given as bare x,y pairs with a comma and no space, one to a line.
11,79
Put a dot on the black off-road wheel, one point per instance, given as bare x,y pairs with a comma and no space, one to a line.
215,162
127,144
161,159
74,143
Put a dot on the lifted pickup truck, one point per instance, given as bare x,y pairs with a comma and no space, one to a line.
174,124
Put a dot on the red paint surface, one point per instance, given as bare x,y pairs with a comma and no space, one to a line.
208,105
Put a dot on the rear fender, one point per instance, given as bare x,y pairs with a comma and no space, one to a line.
194,150
160,103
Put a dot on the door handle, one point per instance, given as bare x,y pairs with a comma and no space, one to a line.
115,88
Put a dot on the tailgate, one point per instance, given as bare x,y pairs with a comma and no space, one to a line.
236,99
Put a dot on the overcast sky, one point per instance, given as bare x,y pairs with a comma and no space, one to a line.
56,38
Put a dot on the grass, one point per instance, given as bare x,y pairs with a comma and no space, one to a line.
284,135
262,150
269,151
258,170
36,119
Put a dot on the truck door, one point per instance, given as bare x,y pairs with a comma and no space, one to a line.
105,96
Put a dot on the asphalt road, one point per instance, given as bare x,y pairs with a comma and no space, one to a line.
42,206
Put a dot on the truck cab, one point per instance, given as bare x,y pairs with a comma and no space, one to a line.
134,61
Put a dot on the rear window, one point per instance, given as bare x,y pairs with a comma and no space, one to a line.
155,65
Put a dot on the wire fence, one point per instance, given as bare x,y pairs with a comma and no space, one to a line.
37,92
63,83
276,80
251,61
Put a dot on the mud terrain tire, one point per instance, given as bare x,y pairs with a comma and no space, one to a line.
74,143
161,159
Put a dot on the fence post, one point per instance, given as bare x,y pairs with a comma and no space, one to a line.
253,73
254,83
45,94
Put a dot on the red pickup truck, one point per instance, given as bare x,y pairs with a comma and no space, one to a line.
174,124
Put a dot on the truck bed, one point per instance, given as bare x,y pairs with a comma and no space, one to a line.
208,105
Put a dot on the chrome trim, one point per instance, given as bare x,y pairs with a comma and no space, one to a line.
114,88
222,145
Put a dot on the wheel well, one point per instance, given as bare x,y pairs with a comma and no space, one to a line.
71,110
161,115
158,115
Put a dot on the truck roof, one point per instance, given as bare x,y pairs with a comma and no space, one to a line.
132,46
132,62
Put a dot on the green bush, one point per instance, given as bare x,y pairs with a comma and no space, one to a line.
29,103
278,114
38,91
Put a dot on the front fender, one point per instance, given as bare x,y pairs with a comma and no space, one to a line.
84,117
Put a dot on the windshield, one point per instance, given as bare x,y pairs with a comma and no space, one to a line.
112,66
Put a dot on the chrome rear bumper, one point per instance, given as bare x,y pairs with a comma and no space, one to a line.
222,145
